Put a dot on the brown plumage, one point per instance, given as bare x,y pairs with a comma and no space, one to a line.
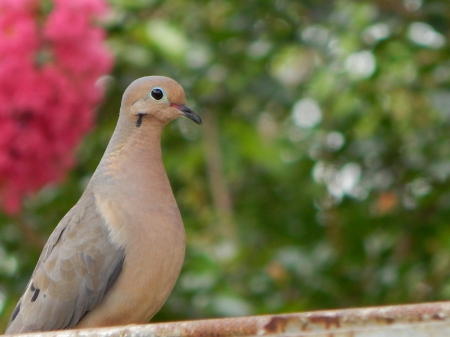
116,255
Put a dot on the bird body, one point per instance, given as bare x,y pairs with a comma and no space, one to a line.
116,255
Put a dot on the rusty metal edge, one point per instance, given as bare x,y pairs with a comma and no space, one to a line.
326,321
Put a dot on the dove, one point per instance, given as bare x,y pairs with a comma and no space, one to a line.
114,258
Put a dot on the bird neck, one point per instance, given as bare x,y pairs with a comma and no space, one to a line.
133,159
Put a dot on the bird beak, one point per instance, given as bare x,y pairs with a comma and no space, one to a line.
188,113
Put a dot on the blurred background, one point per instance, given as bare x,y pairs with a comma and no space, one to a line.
319,179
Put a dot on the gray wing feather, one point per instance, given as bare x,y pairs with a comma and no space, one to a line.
78,264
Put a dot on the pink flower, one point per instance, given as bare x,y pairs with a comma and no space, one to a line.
18,5
18,34
47,90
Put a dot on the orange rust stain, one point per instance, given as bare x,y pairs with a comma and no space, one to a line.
276,324
327,321
438,317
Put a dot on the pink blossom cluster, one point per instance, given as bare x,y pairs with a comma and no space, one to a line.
51,55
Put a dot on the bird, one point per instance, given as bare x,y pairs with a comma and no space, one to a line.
114,258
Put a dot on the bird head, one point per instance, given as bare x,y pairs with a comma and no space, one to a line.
155,98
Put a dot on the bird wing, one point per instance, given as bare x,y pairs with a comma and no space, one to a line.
78,265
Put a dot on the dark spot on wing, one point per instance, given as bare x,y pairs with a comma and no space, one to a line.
15,312
35,295
36,292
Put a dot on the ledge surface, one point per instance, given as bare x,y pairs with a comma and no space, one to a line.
413,320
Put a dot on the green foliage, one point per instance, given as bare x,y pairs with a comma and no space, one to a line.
321,176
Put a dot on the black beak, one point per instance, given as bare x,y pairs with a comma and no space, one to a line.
190,114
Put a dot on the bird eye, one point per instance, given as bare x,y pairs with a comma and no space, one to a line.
157,93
